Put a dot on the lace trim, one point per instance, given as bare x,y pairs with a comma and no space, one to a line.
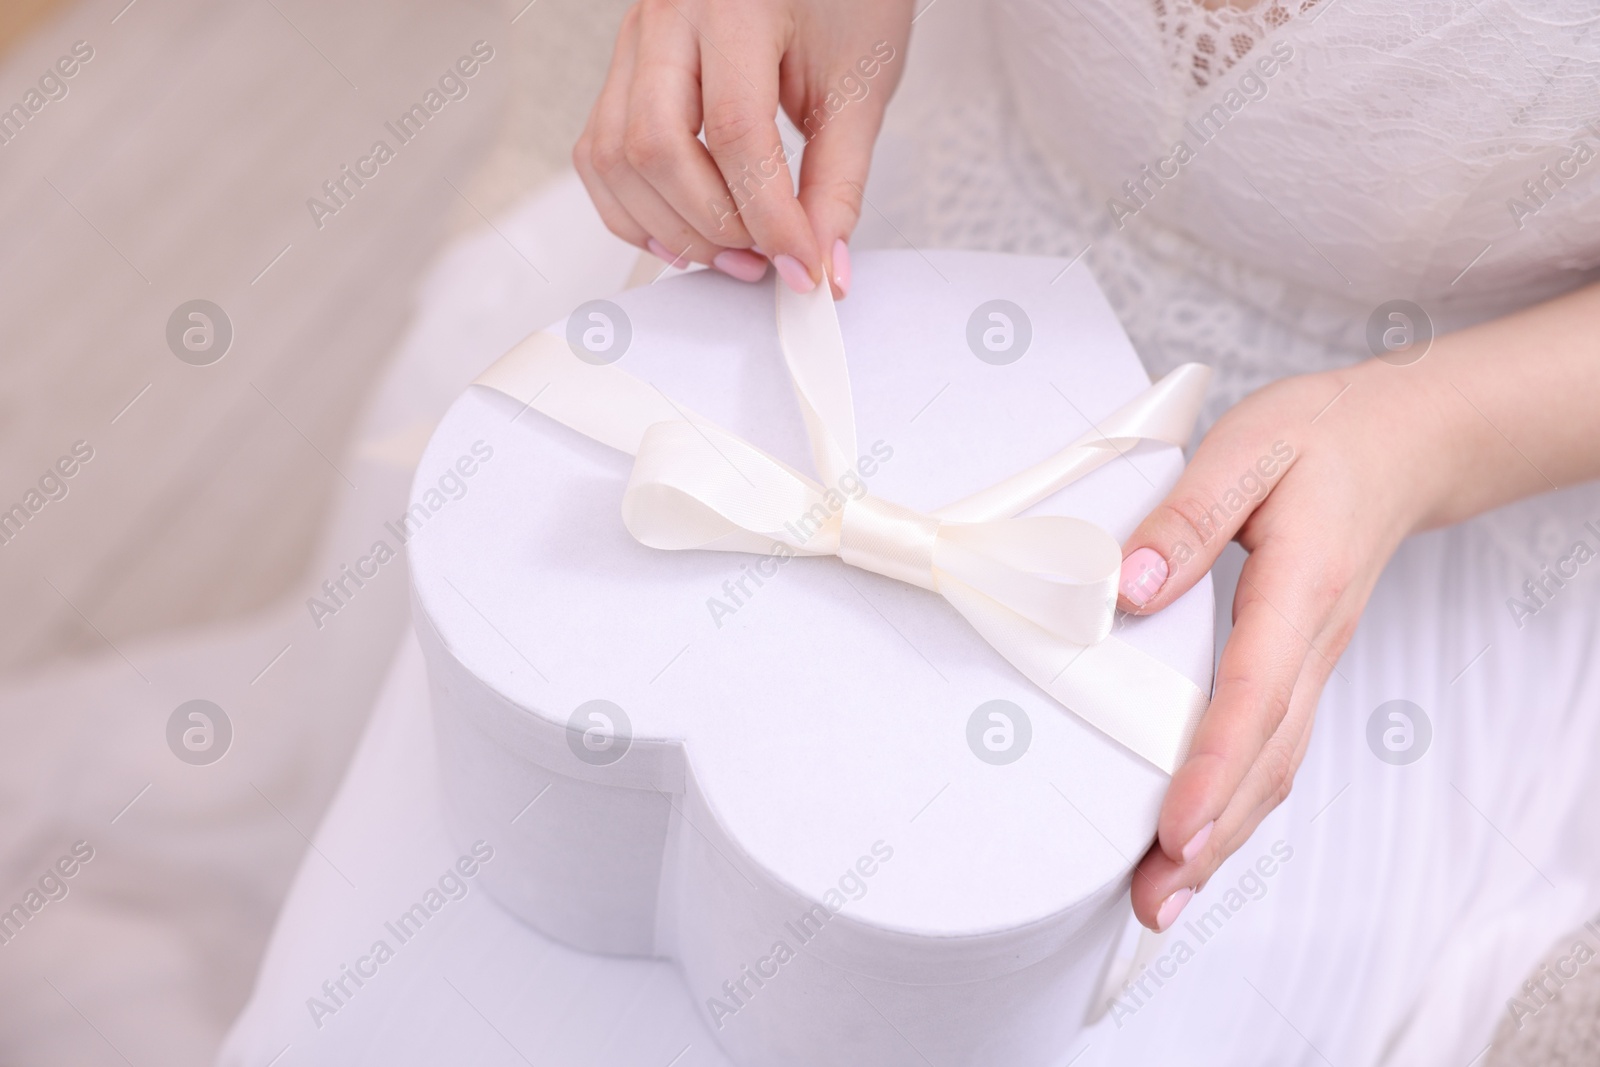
1205,42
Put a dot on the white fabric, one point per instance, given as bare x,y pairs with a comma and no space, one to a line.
1415,898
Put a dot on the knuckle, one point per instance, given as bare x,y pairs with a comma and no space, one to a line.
648,150
730,125
608,157
847,197
621,230
1187,517
1327,584
1277,769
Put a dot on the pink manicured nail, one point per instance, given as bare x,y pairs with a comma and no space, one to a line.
793,274
1198,841
1171,908
1143,574
841,266
737,263
659,250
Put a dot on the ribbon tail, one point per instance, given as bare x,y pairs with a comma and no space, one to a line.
601,402
813,348
1131,697
1166,412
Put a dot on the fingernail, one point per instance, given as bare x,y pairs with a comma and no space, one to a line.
1143,574
1171,908
659,250
841,266
1198,841
737,263
793,274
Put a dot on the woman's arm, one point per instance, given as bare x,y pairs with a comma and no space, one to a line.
1376,452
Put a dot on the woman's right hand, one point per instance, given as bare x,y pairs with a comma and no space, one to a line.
726,66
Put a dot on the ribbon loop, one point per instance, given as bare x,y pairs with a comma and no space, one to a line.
1041,590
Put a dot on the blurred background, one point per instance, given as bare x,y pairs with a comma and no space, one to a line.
176,163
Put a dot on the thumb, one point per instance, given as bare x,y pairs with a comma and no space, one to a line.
1179,541
833,171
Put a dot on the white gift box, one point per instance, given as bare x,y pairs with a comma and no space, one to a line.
863,835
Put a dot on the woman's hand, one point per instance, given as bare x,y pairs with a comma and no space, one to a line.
1319,478
726,66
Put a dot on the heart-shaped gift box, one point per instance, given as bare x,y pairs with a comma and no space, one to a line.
862,833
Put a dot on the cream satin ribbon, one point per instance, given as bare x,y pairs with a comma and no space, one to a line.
1041,590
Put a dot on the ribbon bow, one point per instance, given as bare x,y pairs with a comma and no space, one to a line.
1041,590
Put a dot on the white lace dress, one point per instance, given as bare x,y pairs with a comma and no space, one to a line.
1335,155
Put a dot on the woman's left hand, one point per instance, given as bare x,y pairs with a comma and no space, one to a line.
1318,477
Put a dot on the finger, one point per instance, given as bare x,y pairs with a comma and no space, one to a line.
741,130
597,132
1278,611
677,240
1233,471
1159,889
833,173
664,119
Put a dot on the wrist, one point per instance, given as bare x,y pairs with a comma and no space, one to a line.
1437,452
